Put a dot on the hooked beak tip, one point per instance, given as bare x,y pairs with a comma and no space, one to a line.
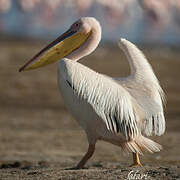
21,69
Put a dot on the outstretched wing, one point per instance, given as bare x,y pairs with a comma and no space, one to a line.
143,86
110,101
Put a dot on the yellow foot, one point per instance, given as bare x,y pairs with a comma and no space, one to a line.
136,161
138,164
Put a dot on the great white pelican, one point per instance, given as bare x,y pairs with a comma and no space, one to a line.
122,110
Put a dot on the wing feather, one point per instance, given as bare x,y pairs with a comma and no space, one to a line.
110,101
144,86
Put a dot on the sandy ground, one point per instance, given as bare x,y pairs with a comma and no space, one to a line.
39,138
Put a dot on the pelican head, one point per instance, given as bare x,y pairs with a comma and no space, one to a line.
78,41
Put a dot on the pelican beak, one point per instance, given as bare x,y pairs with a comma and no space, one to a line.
59,48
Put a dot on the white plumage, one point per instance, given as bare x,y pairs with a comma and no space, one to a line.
118,110
108,99
123,108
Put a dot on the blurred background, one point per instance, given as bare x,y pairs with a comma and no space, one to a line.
35,128
147,21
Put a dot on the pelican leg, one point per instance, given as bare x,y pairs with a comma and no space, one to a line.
87,156
136,161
